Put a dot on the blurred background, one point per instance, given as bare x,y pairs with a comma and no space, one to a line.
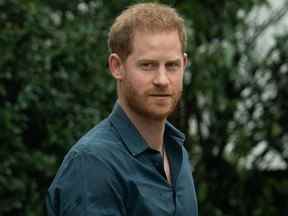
55,85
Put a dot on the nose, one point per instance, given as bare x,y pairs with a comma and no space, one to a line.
161,78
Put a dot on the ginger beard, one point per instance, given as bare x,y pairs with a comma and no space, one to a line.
146,104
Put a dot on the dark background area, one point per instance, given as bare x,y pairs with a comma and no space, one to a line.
55,85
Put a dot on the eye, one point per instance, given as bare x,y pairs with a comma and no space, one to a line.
172,66
147,66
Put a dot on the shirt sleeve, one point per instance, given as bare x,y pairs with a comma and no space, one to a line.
85,185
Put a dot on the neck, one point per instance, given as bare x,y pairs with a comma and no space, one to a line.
151,130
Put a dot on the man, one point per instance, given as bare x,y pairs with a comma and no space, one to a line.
134,162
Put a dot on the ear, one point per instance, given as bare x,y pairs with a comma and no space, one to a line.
115,66
185,59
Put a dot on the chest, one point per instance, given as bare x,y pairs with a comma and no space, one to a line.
150,193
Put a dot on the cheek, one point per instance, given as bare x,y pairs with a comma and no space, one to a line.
135,86
139,82
177,81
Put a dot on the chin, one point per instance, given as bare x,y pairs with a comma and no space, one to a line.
158,114
151,109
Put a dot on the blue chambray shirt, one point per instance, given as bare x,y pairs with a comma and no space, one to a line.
112,171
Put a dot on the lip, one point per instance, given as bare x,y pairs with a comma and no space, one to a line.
160,95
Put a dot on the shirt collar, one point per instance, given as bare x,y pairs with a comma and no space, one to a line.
131,136
174,133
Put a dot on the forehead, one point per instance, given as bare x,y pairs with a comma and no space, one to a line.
166,43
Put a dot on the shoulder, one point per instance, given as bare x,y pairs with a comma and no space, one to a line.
96,150
98,141
88,159
100,147
82,177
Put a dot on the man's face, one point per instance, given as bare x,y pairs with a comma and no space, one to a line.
151,85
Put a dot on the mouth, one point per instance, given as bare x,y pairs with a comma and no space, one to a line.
160,95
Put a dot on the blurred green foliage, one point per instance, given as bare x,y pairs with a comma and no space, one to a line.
55,85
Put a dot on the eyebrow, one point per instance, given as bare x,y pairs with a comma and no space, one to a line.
178,60
146,60
174,61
